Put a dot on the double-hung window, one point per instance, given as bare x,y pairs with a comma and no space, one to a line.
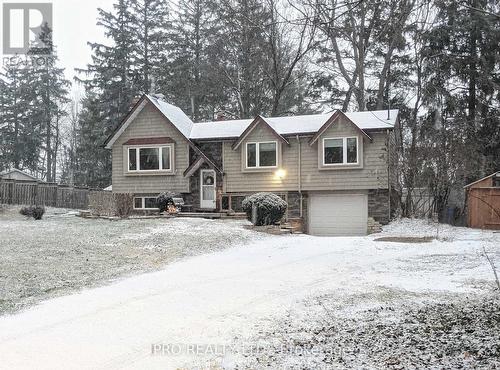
145,203
340,150
262,155
157,158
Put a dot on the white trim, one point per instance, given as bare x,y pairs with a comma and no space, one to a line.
143,202
118,133
344,151
213,204
160,158
257,154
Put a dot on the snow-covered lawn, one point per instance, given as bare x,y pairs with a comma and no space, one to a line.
62,253
297,300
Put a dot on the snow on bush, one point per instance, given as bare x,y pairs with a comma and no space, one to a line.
270,208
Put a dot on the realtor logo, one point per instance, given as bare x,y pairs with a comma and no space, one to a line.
27,27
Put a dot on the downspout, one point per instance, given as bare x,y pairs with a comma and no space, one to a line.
389,170
300,176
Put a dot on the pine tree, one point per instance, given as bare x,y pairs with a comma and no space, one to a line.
109,88
149,22
464,76
188,75
241,59
50,90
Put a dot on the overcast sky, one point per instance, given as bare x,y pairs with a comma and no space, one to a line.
74,25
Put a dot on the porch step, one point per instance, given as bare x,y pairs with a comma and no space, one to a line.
287,227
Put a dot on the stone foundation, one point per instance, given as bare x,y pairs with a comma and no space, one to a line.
378,205
373,226
293,211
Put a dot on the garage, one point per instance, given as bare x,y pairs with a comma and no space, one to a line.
338,214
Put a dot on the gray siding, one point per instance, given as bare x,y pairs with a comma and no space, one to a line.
237,179
372,172
150,123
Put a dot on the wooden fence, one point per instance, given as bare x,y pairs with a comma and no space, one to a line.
46,194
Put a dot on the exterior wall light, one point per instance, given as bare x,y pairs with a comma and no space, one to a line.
280,174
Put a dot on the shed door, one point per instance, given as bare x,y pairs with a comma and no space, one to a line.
338,214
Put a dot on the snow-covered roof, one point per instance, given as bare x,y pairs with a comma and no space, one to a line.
496,174
292,124
174,115
219,129
305,124
15,170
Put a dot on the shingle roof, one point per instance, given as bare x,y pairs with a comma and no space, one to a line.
292,124
174,115
306,124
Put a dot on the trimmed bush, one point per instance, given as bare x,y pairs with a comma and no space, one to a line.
163,201
36,212
270,208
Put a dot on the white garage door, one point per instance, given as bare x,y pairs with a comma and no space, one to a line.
338,214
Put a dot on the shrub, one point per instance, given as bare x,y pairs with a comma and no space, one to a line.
270,208
26,211
163,201
36,212
124,204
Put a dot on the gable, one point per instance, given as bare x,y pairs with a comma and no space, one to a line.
172,114
338,118
261,132
340,128
257,124
149,123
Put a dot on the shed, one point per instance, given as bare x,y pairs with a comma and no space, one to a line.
15,174
483,202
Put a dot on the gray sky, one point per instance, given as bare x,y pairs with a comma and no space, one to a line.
74,25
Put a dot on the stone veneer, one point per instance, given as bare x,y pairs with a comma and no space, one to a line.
212,150
293,211
378,205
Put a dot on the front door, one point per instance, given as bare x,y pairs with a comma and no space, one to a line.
207,189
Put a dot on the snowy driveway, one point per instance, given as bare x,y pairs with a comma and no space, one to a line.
211,299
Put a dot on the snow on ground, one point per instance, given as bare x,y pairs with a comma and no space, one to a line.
233,308
63,253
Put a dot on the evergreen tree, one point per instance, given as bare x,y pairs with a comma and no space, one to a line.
50,90
149,22
464,78
241,59
109,88
188,76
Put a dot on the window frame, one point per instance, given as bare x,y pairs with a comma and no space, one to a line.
160,158
257,154
143,203
344,151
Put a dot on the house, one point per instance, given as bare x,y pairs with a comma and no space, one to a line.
335,170
483,202
15,174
